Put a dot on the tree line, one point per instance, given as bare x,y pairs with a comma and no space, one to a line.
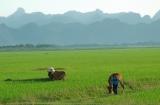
80,46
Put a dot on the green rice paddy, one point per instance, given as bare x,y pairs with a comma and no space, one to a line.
87,74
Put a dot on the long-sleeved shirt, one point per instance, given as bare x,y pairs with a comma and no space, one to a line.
114,80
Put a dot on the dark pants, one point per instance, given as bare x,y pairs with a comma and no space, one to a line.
115,89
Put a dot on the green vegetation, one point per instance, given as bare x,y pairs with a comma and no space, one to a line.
46,47
87,74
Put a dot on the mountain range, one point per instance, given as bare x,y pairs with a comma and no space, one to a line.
75,27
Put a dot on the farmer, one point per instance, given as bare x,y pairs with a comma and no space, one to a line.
114,82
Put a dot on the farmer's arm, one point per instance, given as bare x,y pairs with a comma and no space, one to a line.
121,83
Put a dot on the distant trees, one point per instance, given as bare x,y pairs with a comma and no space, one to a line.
25,47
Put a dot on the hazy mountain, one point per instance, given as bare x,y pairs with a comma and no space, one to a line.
146,19
107,31
74,27
156,16
131,18
7,36
20,18
18,13
56,18
3,20
84,17
95,18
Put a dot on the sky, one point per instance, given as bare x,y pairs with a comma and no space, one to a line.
144,7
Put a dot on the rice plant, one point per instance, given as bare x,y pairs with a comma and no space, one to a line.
87,74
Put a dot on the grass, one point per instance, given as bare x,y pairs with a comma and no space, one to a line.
87,74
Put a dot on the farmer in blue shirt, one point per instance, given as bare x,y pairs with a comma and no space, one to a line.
114,81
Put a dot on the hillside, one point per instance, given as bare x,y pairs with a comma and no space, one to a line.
20,17
107,31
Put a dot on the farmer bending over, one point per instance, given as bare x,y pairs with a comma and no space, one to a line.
114,81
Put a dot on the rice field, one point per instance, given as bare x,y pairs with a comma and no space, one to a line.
87,74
